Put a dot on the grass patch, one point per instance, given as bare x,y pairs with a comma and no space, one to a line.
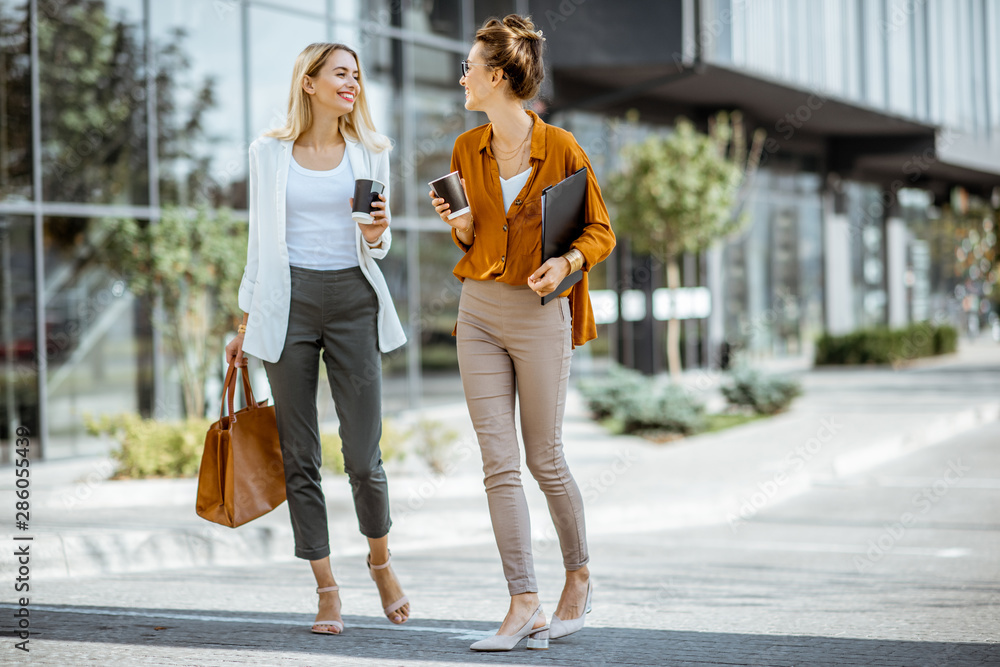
724,420
711,424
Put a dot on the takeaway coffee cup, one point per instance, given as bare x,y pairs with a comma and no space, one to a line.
366,192
449,188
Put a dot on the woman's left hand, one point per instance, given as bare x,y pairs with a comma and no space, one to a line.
373,230
548,276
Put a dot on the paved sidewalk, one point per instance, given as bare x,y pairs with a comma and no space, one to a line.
848,421
831,579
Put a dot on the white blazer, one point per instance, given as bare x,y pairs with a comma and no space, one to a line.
265,292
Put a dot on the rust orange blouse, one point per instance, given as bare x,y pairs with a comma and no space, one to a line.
508,245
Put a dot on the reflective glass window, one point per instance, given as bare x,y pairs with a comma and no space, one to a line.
381,59
349,11
873,43
382,12
439,108
93,102
200,133
276,39
992,29
439,292
898,29
395,394
438,17
485,9
94,352
309,6
15,103
866,213
18,331
946,59
832,27
977,81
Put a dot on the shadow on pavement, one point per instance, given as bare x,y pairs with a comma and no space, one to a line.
263,637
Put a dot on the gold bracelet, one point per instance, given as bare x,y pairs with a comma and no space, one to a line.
575,259
241,329
470,228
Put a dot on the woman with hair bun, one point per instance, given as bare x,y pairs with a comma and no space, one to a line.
508,344
312,286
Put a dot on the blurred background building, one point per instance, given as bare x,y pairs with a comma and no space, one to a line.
882,117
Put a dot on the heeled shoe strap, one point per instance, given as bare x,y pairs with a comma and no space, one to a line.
379,567
318,627
328,589
397,605
531,621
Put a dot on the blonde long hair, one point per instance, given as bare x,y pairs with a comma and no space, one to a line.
356,125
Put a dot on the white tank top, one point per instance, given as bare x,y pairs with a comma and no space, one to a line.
319,231
512,187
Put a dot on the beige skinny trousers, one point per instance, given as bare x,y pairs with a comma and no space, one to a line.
507,343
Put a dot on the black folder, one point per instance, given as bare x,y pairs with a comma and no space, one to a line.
563,217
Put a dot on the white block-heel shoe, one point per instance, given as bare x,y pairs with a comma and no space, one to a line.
561,628
538,638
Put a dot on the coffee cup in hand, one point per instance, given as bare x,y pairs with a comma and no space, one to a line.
366,192
449,188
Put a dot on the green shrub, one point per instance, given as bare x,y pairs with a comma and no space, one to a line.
152,448
764,394
886,346
393,444
433,442
333,457
604,394
642,404
945,340
659,406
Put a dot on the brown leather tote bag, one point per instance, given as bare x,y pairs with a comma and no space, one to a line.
242,475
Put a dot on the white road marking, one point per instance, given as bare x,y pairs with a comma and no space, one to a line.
818,547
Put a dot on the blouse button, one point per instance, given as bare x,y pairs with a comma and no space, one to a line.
503,258
505,227
517,202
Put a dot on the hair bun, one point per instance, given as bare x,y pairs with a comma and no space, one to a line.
523,27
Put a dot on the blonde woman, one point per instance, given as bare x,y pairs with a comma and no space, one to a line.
312,287
509,344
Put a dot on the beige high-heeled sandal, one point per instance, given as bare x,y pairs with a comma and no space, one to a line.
560,628
395,606
324,627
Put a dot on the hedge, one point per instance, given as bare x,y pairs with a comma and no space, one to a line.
886,346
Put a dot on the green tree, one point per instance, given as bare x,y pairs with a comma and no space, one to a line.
193,262
682,193
95,121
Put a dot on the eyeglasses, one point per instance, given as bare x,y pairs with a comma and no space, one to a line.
465,66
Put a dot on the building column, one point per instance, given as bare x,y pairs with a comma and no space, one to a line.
896,237
837,288
716,333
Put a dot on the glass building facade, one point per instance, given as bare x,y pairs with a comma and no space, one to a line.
120,108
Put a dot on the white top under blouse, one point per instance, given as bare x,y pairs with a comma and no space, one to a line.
319,231
266,289
512,186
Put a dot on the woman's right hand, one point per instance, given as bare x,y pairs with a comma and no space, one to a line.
462,223
234,350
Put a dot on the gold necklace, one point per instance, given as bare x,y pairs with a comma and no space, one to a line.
507,156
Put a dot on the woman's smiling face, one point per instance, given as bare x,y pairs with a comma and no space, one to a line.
337,84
